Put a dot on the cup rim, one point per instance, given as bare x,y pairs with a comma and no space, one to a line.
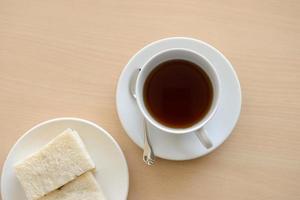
163,127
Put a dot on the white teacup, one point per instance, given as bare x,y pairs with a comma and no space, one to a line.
199,60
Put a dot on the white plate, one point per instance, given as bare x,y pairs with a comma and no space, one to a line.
111,167
187,146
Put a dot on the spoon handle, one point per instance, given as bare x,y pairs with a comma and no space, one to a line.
148,155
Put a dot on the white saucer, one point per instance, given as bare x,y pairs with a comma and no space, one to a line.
181,147
111,167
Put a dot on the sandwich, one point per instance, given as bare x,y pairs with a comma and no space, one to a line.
85,187
60,161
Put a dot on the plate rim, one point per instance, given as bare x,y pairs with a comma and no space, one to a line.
167,39
37,125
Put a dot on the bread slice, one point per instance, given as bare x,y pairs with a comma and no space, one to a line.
85,187
57,163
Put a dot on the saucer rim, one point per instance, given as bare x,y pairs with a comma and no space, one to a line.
157,42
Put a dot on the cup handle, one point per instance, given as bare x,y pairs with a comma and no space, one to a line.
203,138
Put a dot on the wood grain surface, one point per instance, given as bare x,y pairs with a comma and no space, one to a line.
63,58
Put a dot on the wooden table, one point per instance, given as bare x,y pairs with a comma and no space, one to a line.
63,58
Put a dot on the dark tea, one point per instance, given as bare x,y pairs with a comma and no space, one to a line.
178,93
